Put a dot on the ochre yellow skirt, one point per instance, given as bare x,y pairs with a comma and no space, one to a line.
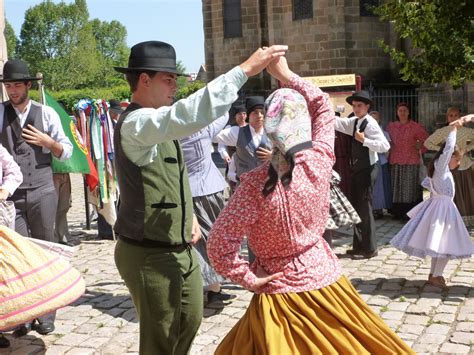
332,320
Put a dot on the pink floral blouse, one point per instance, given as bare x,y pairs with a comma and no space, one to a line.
285,228
403,141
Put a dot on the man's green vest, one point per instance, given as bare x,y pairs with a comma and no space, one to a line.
156,206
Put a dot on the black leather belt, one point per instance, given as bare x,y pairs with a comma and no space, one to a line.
148,243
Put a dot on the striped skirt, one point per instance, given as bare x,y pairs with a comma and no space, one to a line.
33,282
464,195
207,209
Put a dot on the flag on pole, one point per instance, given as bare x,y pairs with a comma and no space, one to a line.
80,161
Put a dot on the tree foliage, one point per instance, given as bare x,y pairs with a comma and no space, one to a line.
11,40
442,39
72,52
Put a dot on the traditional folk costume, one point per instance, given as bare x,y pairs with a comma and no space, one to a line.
405,162
35,199
153,254
435,227
311,309
364,171
464,175
382,196
33,281
207,189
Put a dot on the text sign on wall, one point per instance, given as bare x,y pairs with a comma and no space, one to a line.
333,80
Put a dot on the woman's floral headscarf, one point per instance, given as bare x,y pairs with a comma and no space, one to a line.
288,125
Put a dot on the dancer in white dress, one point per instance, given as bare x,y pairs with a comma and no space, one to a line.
435,227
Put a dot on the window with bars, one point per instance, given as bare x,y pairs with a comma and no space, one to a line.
302,9
232,19
365,7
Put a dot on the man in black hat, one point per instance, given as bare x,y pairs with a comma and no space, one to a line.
155,224
367,140
32,133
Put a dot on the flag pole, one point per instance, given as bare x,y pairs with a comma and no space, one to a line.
42,99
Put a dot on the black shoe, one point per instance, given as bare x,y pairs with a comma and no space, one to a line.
370,255
43,328
4,342
353,252
22,330
219,296
106,236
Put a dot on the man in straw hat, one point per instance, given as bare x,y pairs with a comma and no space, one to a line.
32,133
367,140
155,224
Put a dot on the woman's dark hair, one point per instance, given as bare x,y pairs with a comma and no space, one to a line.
133,76
403,104
431,164
273,176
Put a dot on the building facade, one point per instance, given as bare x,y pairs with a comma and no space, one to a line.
325,37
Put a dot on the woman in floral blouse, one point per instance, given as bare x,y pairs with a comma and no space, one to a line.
407,137
302,304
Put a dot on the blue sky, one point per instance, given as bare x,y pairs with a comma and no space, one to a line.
178,22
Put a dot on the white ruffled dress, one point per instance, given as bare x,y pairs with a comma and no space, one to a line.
435,227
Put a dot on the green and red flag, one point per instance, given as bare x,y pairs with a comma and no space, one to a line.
80,161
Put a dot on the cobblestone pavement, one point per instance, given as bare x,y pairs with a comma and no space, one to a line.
103,320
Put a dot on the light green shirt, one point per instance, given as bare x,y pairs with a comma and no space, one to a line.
144,128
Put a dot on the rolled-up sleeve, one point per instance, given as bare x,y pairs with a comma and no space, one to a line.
144,128
52,126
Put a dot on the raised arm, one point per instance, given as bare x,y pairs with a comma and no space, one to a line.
322,115
442,163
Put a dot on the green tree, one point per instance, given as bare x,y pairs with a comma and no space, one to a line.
10,38
441,35
112,47
72,52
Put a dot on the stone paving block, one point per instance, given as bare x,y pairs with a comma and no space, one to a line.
72,339
440,329
414,329
451,348
26,350
465,317
57,350
407,336
392,315
444,318
417,319
205,339
87,328
466,338
432,338
419,309
105,331
465,326
378,301
81,351
398,306
425,347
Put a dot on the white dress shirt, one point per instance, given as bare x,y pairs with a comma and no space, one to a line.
374,137
51,125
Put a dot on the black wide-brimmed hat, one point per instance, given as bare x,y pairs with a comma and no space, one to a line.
153,56
360,96
16,70
253,103
114,106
